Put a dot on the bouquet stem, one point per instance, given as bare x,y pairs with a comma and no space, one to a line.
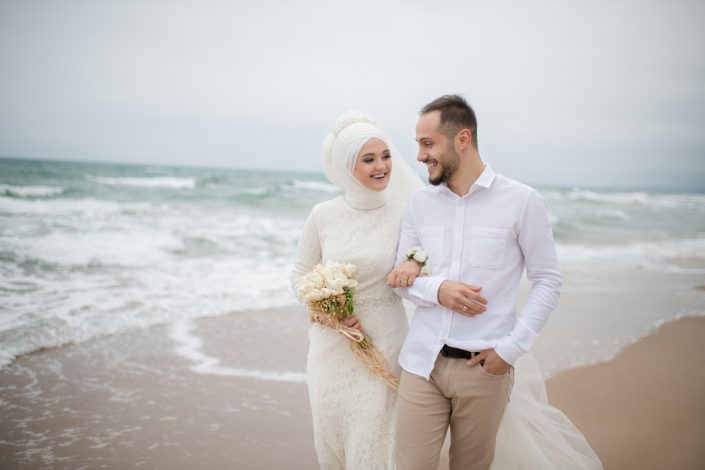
375,362
361,345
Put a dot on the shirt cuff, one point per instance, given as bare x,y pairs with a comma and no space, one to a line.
510,348
431,290
508,351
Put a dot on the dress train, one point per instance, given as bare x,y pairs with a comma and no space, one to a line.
536,435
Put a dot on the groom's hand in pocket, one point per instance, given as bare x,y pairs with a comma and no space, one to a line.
491,362
462,298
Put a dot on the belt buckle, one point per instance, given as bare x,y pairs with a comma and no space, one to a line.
444,351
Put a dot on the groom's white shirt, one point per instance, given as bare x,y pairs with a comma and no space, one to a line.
485,238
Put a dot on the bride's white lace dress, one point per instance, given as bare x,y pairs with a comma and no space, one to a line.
353,411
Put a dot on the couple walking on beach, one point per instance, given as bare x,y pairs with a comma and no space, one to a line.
463,359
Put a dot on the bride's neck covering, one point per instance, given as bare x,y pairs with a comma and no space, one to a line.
340,149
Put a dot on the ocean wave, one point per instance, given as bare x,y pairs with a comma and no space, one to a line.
96,304
147,182
87,206
257,191
660,200
126,249
318,186
641,253
16,341
30,191
612,214
6,358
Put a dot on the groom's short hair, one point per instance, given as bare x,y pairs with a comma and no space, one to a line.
456,115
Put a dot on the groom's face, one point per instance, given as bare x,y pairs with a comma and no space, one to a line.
435,149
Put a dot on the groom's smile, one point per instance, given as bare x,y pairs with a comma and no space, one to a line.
435,150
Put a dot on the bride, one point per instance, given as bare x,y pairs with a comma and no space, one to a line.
353,411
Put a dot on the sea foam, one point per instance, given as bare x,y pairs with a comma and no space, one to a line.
88,207
662,200
661,251
147,182
315,186
30,191
188,346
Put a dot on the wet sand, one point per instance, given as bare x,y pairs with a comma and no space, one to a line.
131,401
646,408
228,392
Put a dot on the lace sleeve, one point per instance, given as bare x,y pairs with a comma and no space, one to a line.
308,253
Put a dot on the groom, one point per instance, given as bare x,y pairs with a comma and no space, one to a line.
480,230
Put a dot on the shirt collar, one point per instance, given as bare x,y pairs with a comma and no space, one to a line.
485,180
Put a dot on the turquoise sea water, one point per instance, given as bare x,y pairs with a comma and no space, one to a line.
88,250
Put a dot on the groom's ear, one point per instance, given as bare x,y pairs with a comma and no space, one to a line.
463,139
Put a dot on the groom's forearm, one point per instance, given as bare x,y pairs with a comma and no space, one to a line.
424,291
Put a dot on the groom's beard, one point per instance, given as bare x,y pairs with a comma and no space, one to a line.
451,161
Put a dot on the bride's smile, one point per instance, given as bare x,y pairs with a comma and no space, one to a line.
373,165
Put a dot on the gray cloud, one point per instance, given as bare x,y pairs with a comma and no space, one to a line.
598,94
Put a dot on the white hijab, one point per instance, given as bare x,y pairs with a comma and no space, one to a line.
340,149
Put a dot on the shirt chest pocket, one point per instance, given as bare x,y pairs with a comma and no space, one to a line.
488,247
432,240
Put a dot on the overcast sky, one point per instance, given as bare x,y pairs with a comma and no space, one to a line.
602,93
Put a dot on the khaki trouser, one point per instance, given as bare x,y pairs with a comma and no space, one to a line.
468,399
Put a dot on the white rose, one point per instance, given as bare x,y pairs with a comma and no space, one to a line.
336,284
328,292
313,295
327,273
315,279
350,270
420,255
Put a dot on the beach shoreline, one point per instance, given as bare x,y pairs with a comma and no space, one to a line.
227,392
643,409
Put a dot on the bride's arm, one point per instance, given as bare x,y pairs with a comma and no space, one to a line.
307,255
404,274
424,291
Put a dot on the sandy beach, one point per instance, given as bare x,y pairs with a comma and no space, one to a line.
135,401
220,393
645,408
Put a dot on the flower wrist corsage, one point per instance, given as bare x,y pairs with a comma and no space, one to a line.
420,257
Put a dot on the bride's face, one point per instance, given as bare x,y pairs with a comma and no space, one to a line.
373,165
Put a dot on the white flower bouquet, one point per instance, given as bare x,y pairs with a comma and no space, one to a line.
329,292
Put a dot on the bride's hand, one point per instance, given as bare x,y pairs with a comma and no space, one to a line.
352,322
404,274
